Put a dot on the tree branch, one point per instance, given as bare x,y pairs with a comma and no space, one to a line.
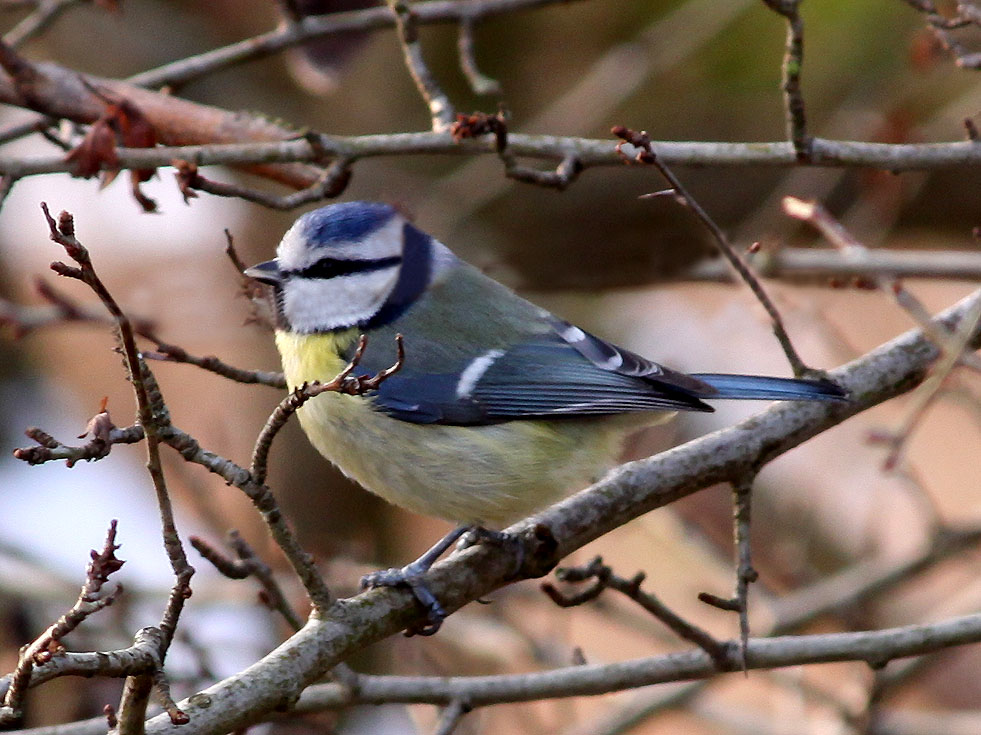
628,492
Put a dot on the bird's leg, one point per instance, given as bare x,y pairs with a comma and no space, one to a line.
412,575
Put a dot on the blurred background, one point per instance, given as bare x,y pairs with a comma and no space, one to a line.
595,254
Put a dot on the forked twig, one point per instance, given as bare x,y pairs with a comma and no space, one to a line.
645,154
344,382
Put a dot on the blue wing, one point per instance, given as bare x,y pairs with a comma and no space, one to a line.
561,372
552,375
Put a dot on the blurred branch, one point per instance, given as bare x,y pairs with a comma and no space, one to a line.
451,716
955,352
953,345
793,64
248,564
864,581
852,250
966,14
818,264
44,14
316,26
62,309
480,83
440,108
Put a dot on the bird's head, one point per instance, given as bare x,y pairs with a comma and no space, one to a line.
355,264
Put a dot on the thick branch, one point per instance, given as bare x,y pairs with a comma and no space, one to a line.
634,489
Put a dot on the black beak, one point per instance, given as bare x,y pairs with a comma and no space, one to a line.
267,272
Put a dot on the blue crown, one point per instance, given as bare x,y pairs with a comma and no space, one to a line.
345,222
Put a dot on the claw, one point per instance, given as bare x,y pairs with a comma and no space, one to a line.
410,575
413,575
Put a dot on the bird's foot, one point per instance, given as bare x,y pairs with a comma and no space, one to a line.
413,576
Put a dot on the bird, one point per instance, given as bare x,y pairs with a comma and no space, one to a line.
499,407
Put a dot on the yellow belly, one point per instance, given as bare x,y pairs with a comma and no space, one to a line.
492,474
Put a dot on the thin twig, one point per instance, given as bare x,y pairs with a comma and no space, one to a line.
481,124
793,63
63,233
248,564
90,600
852,250
953,354
605,578
480,83
172,353
343,382
161,687
440,108
294,34
44,14
646,155
745,573
742,493
132,709
451,716
588,679
48,448
331,184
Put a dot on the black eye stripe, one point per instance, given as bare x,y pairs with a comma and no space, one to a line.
333,267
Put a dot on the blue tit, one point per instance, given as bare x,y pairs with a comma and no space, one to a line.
500,408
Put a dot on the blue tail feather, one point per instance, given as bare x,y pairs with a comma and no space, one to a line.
770,389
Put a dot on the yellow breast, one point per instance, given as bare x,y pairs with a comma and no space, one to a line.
474,474
309,357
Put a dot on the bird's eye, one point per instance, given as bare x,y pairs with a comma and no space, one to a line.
332,267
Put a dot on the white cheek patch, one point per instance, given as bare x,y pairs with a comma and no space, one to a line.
295,252
475,371
322,304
